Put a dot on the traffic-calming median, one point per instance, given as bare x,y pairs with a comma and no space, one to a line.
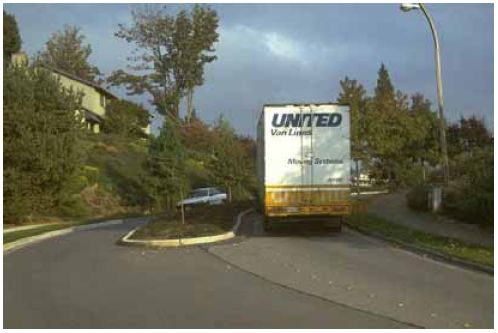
127,239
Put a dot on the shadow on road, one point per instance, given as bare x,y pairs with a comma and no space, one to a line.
319,231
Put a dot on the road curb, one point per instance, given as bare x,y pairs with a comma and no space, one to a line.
9,247
25,227
155,243
427,252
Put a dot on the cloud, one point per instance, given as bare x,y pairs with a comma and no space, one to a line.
283,47
299,52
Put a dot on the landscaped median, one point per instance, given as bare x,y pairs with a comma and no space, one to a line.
472,256
203,224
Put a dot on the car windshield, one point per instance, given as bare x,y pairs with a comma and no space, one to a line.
198,193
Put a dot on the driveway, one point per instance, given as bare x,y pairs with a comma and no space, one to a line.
394,208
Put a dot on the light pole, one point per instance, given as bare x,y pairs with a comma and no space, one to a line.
406,7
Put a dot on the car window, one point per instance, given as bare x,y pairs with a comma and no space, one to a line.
198,193
214,191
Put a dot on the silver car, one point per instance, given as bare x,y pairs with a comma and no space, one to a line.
205,195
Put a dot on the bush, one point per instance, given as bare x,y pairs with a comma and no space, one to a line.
469,197
417,198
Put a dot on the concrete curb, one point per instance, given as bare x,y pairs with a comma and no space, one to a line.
183,241
9,247
26,227
427,252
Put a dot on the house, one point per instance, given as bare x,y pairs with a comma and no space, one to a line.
94,97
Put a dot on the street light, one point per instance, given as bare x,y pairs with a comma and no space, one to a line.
406,7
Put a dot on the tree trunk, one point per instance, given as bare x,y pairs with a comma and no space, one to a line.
190,104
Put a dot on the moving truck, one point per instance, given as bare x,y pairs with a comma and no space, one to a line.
304,163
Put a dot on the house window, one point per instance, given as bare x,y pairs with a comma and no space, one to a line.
102,101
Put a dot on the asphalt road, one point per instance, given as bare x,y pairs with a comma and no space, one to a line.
280,280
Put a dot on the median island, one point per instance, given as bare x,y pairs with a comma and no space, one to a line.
200,221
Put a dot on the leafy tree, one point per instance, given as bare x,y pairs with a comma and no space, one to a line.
353,93
468,134
66,50
170,55
231,165
11,37
198,136
422,145
41,152
166,165
201,41
125,119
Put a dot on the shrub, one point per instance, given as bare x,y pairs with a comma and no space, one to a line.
469,197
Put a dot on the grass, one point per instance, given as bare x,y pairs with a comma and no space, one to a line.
16,235
199,221
475,253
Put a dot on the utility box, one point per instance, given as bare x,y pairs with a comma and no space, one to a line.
435,198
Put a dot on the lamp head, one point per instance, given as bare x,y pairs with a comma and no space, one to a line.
406,7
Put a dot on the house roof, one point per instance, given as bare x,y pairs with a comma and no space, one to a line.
91,116
75,78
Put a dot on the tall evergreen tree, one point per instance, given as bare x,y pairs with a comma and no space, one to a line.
11,37
387,122
41,133
66,50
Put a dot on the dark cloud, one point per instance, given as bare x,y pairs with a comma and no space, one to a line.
296,52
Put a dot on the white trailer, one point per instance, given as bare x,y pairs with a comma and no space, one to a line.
304,161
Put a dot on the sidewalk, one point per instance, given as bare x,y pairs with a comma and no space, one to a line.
394,208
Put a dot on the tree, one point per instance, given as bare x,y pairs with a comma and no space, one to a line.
41,152
230,164
353,93
169,56
423,131
125,119
11,37
66,50
387,124
203,36
468,134
165,163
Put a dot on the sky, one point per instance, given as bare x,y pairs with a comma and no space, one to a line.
278,53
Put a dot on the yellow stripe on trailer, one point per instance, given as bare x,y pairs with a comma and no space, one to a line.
299,200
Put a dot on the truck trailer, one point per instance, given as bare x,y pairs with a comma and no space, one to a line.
304,162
